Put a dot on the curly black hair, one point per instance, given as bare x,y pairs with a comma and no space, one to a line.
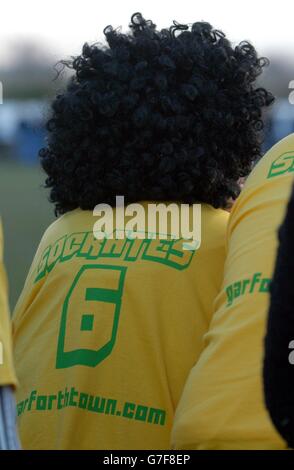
156,115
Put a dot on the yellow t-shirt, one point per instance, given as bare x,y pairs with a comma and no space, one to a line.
222,406
7,374
106,332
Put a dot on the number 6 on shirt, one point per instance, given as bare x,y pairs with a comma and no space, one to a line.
90,316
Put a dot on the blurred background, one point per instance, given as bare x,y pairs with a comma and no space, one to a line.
35,35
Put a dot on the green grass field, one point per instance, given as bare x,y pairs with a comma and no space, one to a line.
25,213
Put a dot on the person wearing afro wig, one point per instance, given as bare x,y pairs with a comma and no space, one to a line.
106,332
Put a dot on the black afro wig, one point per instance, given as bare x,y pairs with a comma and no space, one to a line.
171,114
